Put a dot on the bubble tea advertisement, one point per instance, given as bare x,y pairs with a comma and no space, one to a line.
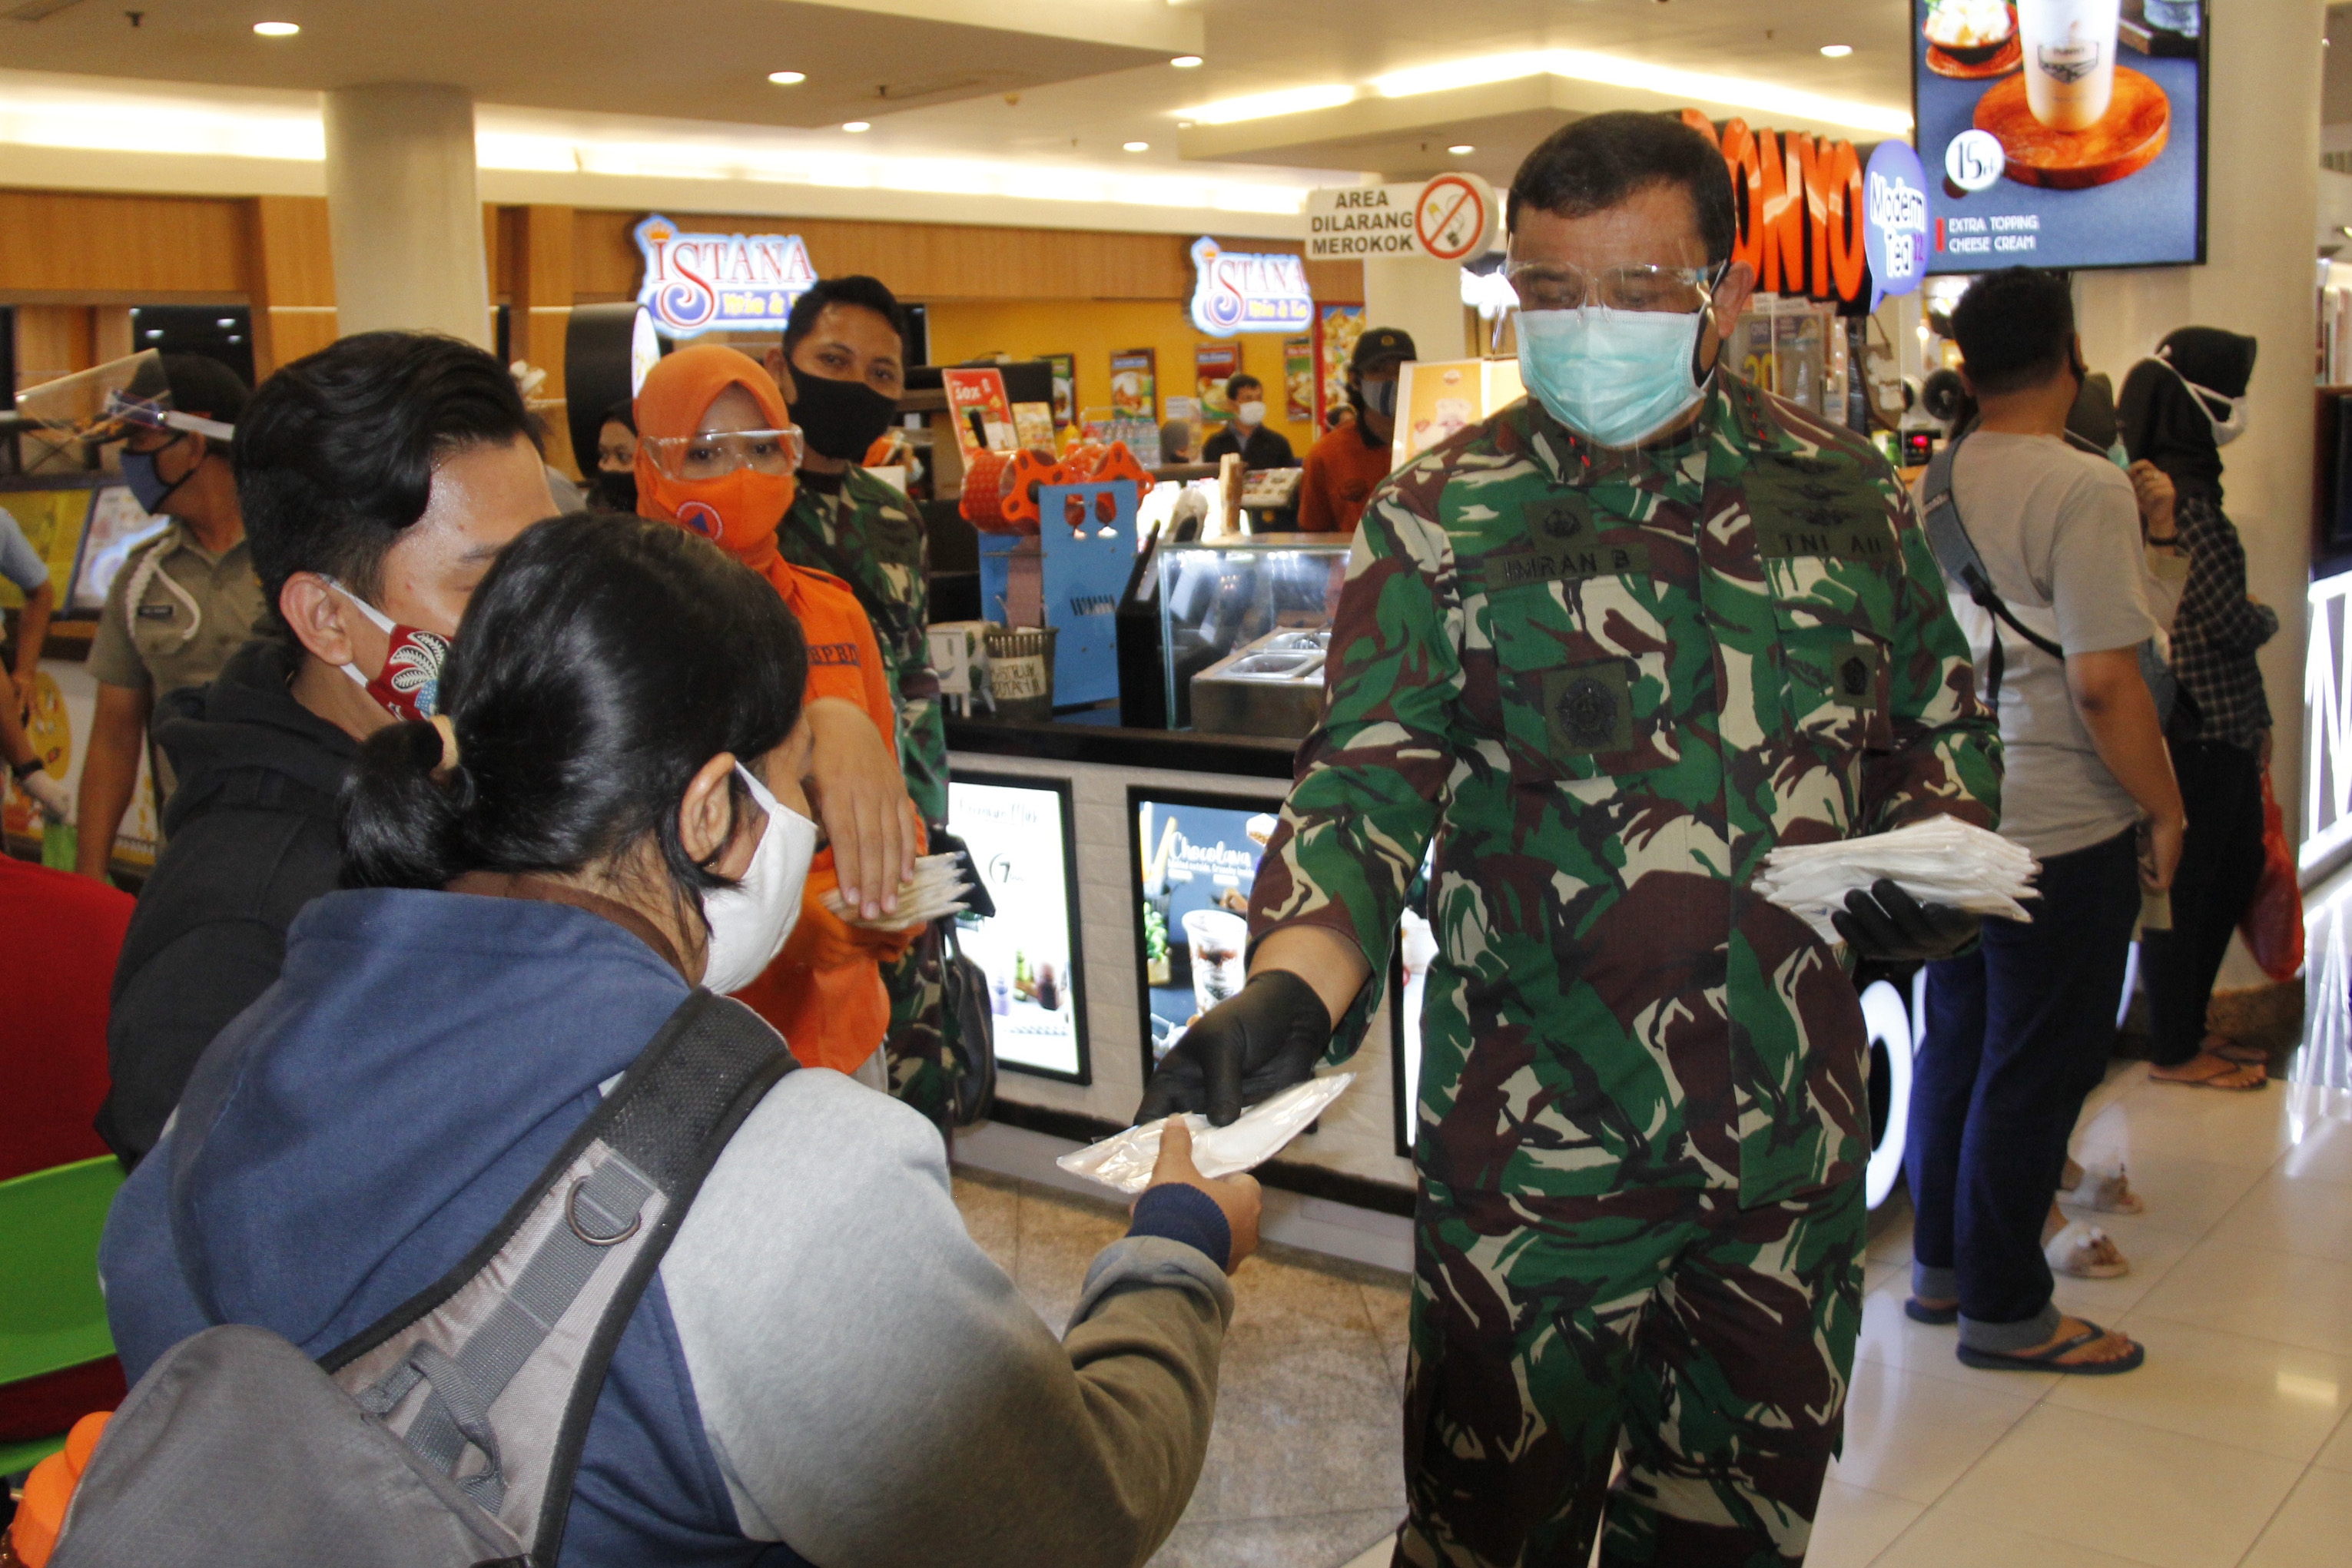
1196,856
2061,133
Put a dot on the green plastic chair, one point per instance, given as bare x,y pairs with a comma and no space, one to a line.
52,1313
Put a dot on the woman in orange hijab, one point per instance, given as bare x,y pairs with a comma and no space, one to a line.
717,455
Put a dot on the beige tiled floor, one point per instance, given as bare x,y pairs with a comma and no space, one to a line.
2230,1448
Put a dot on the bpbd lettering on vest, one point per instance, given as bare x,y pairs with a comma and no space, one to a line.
832,653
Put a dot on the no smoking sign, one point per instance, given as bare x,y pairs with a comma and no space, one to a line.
1453,217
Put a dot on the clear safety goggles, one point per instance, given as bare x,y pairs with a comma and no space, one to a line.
721,453
106,402
1564,286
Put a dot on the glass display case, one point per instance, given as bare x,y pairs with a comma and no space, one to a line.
1245,625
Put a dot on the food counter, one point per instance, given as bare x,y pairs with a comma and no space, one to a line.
1120,861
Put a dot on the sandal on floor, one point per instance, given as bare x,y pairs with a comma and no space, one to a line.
2106,1189
2047,1360
1919,1311
2085,1251
2234,1079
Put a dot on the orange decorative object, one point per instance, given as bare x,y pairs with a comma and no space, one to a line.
49,1488
1119,463
2125,140
1018,487
983,501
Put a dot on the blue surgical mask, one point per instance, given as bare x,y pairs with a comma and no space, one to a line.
148,487
1611,376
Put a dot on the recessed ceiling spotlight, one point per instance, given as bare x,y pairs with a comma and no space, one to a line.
788,78
276,30
1837,51
1185,62
1460,147
226,322
854,126
1137,146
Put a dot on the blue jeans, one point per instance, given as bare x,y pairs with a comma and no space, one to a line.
2019,1032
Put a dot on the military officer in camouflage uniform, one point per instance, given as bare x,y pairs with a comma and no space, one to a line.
1606,649
843,355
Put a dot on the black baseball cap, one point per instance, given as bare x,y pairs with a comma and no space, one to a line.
1382,343
194,384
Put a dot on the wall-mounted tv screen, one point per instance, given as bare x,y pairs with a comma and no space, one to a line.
1194,856
2063,134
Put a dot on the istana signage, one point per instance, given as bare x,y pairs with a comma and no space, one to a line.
698,283
1236,293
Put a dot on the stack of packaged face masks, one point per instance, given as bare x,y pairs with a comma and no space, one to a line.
936,889
1124,1160
1940,861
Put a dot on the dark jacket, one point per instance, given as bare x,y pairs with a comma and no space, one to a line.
249,840
1259,448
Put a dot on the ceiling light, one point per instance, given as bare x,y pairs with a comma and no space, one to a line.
1461,149
1837,51
788,78
1185,62
226,322
1578,64
854,126
276,30
1137,146
154,331
1264,105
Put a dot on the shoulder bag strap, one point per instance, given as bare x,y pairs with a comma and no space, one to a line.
493,1372
1955,552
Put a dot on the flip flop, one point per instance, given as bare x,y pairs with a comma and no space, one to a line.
1919,1311
2046,1360
2214,1081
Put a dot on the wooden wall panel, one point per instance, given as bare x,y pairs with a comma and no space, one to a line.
289,274
131,248
53,341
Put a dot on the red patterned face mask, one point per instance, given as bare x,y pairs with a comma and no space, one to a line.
409,684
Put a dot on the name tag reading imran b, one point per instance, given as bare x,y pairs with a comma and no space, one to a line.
1566,563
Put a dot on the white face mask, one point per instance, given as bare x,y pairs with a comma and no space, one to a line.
1250,413
2225,431
750,921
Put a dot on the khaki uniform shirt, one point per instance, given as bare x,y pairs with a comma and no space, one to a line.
157,645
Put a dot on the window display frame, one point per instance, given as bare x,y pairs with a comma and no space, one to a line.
1060,788
1207,799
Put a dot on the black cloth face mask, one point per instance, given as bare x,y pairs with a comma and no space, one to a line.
617,491
839,419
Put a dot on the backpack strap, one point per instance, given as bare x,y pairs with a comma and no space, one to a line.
1955,552
504,1357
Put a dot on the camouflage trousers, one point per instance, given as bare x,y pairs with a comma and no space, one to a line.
915,1049
1710,1345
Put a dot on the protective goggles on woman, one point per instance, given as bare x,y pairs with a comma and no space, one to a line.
717,453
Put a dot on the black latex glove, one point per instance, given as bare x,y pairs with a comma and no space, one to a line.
1243,1049
1887,922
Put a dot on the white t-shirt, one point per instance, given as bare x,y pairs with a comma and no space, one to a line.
2059,533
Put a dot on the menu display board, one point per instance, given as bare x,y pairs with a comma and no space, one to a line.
1195,856
983,414
2063,134
1019,832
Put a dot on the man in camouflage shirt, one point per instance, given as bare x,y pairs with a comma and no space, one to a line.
843,362
1607,649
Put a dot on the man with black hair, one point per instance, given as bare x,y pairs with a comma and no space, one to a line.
178,608
2019,1030
1345,465
843,368
1247,434
1607,648
379,478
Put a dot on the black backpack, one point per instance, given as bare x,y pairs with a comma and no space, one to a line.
447,1433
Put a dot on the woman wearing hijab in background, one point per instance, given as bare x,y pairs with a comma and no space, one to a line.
717,455
2179,409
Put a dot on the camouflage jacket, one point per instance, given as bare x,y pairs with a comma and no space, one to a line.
1608,685
871,537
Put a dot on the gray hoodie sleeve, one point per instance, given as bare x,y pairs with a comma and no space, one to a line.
873,1385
